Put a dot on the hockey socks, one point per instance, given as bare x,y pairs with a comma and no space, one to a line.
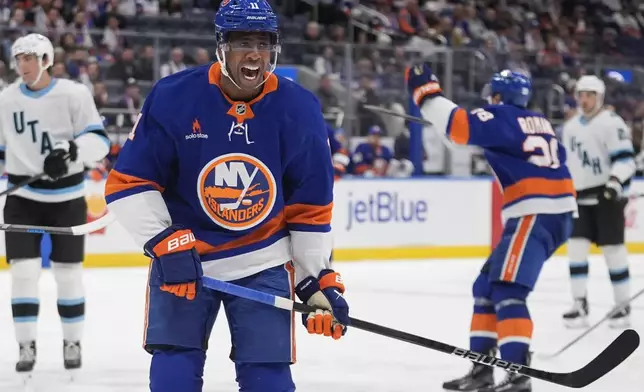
617,261
71,299
578,249
175,370
483,335
25,304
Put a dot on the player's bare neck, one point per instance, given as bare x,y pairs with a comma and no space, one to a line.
44,81
239,95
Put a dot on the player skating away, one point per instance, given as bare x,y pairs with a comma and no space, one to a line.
539,203
601,161
49,125
228,174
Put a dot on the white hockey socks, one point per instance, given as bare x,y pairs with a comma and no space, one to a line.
71,298
578,249
617,261
25,305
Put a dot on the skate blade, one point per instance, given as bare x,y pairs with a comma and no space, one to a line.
579,323
73,374
620,323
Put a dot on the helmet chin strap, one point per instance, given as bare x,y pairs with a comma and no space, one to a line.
221,58
41,70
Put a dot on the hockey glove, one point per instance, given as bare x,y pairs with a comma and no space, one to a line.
612,190
57,162
422,83
178,261
325,294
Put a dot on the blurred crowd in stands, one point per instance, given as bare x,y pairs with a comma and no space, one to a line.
119,47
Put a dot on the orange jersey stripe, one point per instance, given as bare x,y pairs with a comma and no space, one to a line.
117,182
516,248
263,232
309,214
520,327
459,130
537,186
483,322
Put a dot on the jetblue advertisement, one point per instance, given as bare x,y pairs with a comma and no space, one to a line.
382,213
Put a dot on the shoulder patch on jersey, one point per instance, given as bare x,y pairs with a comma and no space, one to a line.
237,191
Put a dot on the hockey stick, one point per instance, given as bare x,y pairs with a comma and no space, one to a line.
616,309
26,182
22,184
448,144
74,230
235,205
620,349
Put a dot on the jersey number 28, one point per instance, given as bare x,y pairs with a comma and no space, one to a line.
549,151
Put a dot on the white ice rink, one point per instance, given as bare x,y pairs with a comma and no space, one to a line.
429,298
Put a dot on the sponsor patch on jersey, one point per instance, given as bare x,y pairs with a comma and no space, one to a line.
237,191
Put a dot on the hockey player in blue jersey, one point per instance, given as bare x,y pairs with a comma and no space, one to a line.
228,174
539,204
340,155
371,158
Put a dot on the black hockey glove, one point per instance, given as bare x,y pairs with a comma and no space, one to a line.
612,190
57,162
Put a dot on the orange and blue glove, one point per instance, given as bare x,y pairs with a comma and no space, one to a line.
325,294
422,83
178,261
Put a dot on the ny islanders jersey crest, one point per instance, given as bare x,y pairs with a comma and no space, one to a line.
237,191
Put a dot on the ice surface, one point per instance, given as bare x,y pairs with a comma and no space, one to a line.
429,298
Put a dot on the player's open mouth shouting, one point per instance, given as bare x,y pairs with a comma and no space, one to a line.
247,57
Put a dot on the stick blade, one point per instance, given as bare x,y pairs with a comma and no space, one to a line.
613,355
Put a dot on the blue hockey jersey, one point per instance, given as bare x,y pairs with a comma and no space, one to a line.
521,148
369,157
340,155
253,181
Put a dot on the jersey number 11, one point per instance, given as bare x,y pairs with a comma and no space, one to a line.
549,151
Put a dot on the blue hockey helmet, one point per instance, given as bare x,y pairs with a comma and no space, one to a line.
514,88
246,16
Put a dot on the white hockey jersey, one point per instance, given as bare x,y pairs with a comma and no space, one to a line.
598,149
32,122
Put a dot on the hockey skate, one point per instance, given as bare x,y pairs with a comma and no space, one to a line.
621,319
26,358
480,376
71,355
512,383
577,317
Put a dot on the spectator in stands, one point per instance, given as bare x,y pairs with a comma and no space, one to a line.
59,71
80,26
202,57
325,63
132,102
368,96
312,32
17,18
90,74
325,94
175,64
145,64
4,82
371,158
112,34
124,68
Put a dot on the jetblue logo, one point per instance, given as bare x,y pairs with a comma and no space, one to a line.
384,207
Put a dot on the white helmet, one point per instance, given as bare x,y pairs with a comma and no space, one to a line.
593,84
38,45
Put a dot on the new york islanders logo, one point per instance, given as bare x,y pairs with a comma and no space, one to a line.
237,191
